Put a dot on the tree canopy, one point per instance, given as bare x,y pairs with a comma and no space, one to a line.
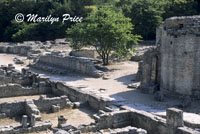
107,30
145,15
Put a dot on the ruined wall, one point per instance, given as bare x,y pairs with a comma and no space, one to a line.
89,53
75,94
149,71
45,104
12,108
14,49
177,72
13,90
15,83
180,56
155,124
67,64
114,119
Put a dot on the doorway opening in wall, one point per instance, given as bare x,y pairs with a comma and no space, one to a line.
154,73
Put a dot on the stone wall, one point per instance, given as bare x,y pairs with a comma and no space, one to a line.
125,130
13,90
41,85
67,64
45,104
75,94
152,123
89,53
15,83
114,119
180,56
15,49
12,108
149,71
32,110
39,126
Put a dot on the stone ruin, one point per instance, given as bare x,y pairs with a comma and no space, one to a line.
61,64
118,120
175,58
44,57
172,67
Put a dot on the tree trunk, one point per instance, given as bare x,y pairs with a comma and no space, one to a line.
105,59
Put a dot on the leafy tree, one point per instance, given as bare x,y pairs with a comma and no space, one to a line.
107,30
146,17
126,6
181,8
8,10
39,31
10,31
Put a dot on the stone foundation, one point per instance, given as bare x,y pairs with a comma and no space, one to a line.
75,94
39,126
13,90
15,49
64,64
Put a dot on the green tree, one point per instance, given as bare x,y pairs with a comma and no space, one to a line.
107,30
146,17
125,6
181,8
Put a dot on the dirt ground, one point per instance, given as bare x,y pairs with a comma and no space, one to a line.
20,98
42,132
119,76
6,59
75,117
15,121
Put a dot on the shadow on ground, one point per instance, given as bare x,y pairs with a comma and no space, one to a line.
127,79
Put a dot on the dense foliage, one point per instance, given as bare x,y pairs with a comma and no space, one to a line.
10,30
145,15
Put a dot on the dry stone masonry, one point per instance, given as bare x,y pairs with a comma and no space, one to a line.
64,64
170,68
173,67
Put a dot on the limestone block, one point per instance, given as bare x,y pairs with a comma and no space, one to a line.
61,120
33,120
55,108
174,118
2,115
24,121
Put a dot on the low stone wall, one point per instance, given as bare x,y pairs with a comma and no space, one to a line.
45,104
39,126
32,110
149,122
12,108
25,83
13,90
89,53
114,119
44,85
51,62
15,49
152,123
125,130
75,94
29,107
